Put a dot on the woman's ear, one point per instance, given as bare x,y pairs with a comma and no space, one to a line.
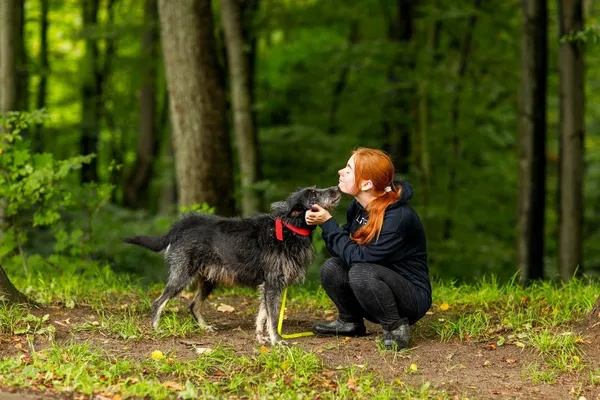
366,185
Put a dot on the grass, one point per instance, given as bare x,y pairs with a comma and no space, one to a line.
539,319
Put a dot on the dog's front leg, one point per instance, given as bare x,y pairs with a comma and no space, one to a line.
262,317
273,302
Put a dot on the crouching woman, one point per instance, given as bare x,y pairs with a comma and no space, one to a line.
379,270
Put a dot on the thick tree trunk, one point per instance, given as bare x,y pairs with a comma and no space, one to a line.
571,104
8,54
9,38
198,105
91,99
455,140
532,146
44,73
136,190
246,136
8,291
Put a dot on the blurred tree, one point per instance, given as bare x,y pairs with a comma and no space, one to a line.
532,145
91,90
240,57
137,185
572,128
44,71
398,122
198,105
455,138
10,37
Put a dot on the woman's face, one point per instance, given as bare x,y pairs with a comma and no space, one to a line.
346,182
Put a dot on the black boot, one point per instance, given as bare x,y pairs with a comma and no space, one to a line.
398,338
340,328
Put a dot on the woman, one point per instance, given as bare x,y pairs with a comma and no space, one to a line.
379,269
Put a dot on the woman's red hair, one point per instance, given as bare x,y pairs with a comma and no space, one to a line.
376,166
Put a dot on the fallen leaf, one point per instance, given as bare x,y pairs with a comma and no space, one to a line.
511,361
352,384
444,307
203,350
173,385
413,367
263,349
429,313
225,308
491,346
487,363
576,358
158,355
519,344
500,341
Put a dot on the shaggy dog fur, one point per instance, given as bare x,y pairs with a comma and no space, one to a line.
215,250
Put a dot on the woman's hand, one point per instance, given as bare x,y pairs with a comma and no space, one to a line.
316,215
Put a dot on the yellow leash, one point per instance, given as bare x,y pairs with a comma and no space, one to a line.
280,323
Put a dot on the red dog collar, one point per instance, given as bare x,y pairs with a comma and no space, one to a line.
279,229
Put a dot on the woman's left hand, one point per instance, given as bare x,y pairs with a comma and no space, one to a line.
316,215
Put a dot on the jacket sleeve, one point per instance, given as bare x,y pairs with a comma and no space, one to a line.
338,242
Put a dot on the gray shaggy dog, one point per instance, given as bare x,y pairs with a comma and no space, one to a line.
266,251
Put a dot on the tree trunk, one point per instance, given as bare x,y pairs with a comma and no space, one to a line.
44,73
532,146
136,190
571,116
465,50
398,129
22,62
423,114
342,81
242,101
91,101
8,54
8,291
198,105
9,38
8,70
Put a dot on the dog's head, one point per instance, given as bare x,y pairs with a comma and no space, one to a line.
303,199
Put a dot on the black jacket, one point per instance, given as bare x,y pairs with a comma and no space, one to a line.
401,245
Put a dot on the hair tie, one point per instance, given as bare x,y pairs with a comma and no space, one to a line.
387,189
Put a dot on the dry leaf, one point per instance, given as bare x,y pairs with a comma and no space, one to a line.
413,367
263,349
444,307
173,386
203,350
511,361
158,355
487,363
352,384
225,308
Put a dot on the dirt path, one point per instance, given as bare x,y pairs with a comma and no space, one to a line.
474,369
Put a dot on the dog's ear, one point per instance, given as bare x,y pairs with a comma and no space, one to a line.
279,207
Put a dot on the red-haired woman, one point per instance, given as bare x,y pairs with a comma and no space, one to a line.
379,269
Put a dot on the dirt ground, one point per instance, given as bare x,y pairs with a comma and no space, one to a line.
472,368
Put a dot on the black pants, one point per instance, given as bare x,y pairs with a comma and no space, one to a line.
373,292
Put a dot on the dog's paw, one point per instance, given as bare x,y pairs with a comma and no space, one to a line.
282,343
262,339
209,328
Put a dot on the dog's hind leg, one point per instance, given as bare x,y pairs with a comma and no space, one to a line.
176,283
273,304
204,289
261,318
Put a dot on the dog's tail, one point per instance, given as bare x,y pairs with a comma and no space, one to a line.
154,243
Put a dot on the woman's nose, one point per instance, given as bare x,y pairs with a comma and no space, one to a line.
340,172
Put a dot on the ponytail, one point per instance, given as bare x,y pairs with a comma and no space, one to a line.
376,210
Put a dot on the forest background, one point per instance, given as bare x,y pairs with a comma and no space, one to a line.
486,107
